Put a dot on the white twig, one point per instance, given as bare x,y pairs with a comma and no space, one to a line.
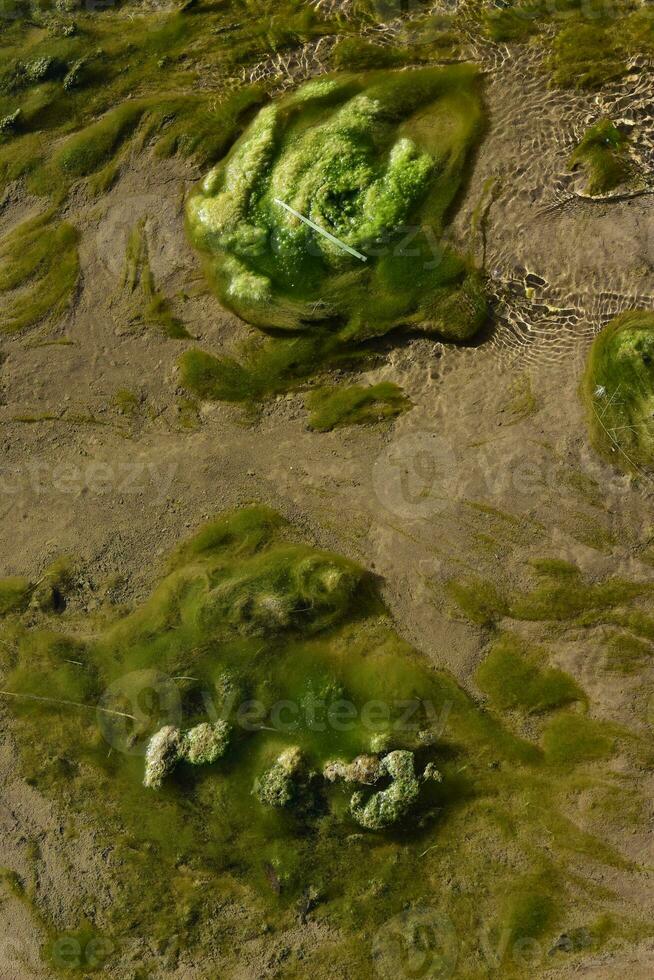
75,704
321,231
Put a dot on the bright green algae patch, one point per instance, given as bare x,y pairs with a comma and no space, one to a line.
375,159
292,647
618,390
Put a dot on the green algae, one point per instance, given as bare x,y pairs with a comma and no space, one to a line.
603,155
293,648
478,599
618,387
595,44
513,677
531,907
375,159
14,595
84,97
560,593
127,402
357,405
626,653
513,23
264,367
521,402
50,593
98,82
93,147
589,44
40,268
570,739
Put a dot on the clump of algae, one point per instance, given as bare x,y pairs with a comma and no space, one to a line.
618,390
292,648
603,154
514,676
559,594
374,159
355,405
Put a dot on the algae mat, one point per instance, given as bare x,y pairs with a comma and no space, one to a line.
327,768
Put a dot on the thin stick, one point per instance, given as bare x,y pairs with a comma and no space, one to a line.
611,399
75,704
617,444
321,231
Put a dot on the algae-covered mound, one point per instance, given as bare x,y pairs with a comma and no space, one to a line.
291,743
619,391
375,160
200,746
387,806
603,154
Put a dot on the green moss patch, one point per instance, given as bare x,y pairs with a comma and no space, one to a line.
558,594
626,653
151,307
513,677
478,599
263,369
93,147
604,156
596,47
40,268
571,739
531,907
513,23
618,389
356,405
14,595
